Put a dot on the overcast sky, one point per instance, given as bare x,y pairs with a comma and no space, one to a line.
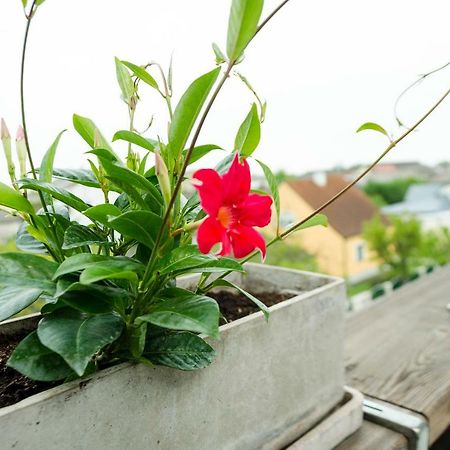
324,68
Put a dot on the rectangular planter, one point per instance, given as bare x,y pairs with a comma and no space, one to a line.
270,383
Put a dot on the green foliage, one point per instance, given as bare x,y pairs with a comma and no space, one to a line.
242,25
290,254
399,245
249,133
372,126
106,281
387,193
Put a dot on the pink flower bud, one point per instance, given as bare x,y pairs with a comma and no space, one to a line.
21,150
4,132
6,142
20,135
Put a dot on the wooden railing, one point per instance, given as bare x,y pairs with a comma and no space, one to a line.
398,351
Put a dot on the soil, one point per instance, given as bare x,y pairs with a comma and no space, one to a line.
15,387
234,306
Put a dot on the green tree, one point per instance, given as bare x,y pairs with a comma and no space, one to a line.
399,246
436,246
389,192
290,255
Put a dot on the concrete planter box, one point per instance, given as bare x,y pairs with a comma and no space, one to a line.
271,383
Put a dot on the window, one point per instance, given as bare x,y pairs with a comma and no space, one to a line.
360,251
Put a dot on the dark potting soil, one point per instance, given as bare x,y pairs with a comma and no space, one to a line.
15,387
234,306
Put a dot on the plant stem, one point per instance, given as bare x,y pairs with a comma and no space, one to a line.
292,229
25,132
177,187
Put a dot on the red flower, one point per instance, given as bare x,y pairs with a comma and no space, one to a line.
232,211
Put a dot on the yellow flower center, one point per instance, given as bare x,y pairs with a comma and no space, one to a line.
225,216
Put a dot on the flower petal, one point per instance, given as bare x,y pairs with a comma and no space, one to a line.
211,233
245,239
255,210
236,182
209,186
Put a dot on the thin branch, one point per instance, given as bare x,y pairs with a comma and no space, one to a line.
24,126
344,190
408,88
177,188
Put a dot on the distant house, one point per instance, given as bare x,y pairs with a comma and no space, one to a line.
340,249
385,172
429,202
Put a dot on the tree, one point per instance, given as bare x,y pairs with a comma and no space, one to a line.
436,246
389,192
399,246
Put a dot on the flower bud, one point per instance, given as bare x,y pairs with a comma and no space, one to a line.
163,177
21,150
6,141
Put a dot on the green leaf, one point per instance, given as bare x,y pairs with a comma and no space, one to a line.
102,213
124,79
77,338
38,362
142,74
179,309
26,242
134,138
112,269
183,351
84,177
200,151
273,185
220,57
89,132
242,25
78,262
10,198
373,126
15,298
318,219
27,270
258,303
46,169
249,134
92,299
79,236
187,111
24,3
188,259
126,179
143,226
60,194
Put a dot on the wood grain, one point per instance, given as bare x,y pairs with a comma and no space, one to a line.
374,437
399,349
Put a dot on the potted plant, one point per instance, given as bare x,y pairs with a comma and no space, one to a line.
124,289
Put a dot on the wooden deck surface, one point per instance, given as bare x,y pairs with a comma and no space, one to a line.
399,351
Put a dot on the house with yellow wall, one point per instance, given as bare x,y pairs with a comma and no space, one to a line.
339,248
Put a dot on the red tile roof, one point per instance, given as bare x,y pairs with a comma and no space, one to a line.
347,214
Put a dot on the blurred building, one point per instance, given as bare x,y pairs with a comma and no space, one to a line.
429,202
340,248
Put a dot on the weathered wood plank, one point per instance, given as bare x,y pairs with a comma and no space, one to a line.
399,350
374,437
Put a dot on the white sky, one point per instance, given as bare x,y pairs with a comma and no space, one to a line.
324,68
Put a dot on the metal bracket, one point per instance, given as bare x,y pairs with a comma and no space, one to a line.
413,425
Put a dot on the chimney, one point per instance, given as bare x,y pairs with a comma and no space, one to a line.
319,178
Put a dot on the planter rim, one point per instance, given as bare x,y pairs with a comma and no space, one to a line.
65,387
